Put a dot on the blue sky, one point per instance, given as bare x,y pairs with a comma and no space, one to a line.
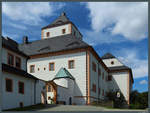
118,28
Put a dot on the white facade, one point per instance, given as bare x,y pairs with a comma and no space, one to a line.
12,99
97,79
32,87
112,62
23,59
56,31
119,82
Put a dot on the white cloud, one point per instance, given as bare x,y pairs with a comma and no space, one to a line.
130,58
94,38
130,19
18,26
143,82
29,12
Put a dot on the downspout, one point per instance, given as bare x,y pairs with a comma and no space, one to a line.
35,92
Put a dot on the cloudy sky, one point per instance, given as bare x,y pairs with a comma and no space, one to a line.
118,28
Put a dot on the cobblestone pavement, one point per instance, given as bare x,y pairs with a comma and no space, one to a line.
84,108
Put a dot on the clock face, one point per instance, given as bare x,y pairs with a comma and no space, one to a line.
118,94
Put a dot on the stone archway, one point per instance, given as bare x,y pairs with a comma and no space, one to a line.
51,87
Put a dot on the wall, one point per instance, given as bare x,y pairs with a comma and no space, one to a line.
40,87
119,81
65,93
12,99
102,84
4,58
62,82
79,72
56,31
108,62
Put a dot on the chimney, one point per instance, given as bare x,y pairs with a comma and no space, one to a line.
25,39
63,14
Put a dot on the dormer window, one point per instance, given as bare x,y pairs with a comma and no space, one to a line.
112,62
47,34
10,59
18,62
63,31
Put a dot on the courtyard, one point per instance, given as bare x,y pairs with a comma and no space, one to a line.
42,107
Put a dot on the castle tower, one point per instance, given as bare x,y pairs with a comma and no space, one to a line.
61,26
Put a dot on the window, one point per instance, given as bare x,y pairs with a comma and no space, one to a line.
112,62
47,34
18,62
71,64
52,66
21,87
99,71
103,92
94,88
10,59
32,68
109,77
63,31
103,75
9,85
94,66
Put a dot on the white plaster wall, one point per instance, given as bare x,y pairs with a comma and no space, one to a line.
56,31
40,87
79,72
4,58
119,81
94,79
12,99
80,101
62,82
116,62
65,93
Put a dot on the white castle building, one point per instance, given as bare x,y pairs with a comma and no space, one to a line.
59,68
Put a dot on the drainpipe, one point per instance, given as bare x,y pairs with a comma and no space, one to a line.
0,62
35,92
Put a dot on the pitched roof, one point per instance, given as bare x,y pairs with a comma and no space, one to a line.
63,73
11,45
107,56
62,19
59,43
118,68
16,71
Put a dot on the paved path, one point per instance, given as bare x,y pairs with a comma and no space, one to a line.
83,108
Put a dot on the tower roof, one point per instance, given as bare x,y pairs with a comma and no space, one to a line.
62,19
108,56
63,73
